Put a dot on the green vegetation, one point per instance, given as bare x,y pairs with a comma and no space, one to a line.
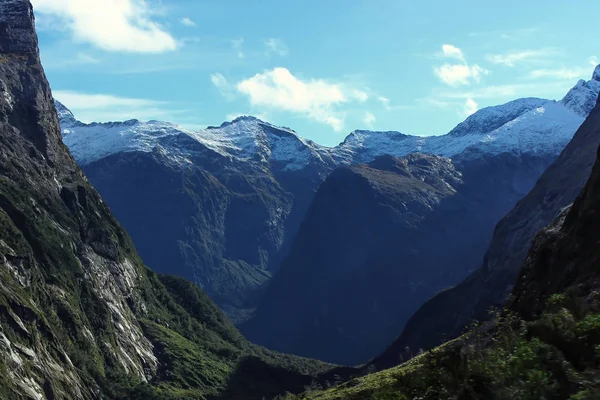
556,356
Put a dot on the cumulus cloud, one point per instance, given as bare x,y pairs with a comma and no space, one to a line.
112,25
456,74
276,46
278,89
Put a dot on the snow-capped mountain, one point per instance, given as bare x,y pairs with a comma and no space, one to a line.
243,139
239,191
528,125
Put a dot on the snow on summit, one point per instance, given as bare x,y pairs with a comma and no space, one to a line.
528,125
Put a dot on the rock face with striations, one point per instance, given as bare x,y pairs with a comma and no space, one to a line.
80,316
445,316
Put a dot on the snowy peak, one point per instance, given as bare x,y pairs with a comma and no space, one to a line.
65,115
245,139
489,119
582,98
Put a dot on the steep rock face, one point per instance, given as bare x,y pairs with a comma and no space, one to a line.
80,316
378,241
445,316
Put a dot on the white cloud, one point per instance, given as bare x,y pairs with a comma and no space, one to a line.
451,51
471,107
458,74
316,99
511,59
104,107
187,22
276,46
369,119
112,25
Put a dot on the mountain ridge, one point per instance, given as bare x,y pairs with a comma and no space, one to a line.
487,121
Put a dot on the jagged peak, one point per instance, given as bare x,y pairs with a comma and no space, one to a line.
582,98
64,114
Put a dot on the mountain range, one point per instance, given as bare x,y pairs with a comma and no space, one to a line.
222,206
82,317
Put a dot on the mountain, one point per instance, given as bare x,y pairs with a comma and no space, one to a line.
216,206
373,249
542,345
221,206
445,315
80,316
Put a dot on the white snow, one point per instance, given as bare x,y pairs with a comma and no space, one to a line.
245,139
529,125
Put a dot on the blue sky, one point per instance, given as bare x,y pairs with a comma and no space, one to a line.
323,68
